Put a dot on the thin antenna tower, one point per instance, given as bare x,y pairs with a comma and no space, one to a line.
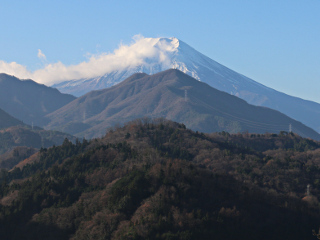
185,95
290,128
308,190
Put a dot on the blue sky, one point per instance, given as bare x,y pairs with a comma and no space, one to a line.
275,43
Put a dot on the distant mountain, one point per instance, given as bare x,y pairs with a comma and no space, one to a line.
15,156
174,53
173,95
7,121
24,136
29,101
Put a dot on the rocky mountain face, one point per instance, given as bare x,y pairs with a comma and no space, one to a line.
173,95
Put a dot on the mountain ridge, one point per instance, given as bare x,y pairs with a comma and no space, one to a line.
6,120
174,53
173,95
29,101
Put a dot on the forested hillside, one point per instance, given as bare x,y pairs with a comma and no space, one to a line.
155,179
20,142
173,95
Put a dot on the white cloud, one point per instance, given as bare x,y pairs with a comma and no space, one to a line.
140,51
14,68
41,55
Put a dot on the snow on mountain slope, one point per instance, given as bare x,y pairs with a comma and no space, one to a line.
153,55
162,54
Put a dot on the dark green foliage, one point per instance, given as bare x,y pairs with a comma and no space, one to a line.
158,180
128,192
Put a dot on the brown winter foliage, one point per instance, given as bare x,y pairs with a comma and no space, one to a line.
155,179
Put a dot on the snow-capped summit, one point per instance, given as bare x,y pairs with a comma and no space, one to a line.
153,55
148,55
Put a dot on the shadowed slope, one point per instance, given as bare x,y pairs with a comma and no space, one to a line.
179,55
7,121
173,95
29,101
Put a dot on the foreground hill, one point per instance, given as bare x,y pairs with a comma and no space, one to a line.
7,121
173,95
159,180
174,53
29,101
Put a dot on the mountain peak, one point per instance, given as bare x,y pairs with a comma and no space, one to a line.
148,55
172,43
170,94
153,55
169,44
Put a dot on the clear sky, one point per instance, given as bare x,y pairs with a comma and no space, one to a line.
274,42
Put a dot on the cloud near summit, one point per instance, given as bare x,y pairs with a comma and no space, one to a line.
139,52
41,55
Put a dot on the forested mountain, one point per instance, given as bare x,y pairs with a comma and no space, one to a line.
173,95
15,156
29,101
7,121
155,179
172,53
19,142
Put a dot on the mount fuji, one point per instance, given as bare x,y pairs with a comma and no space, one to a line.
153,55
